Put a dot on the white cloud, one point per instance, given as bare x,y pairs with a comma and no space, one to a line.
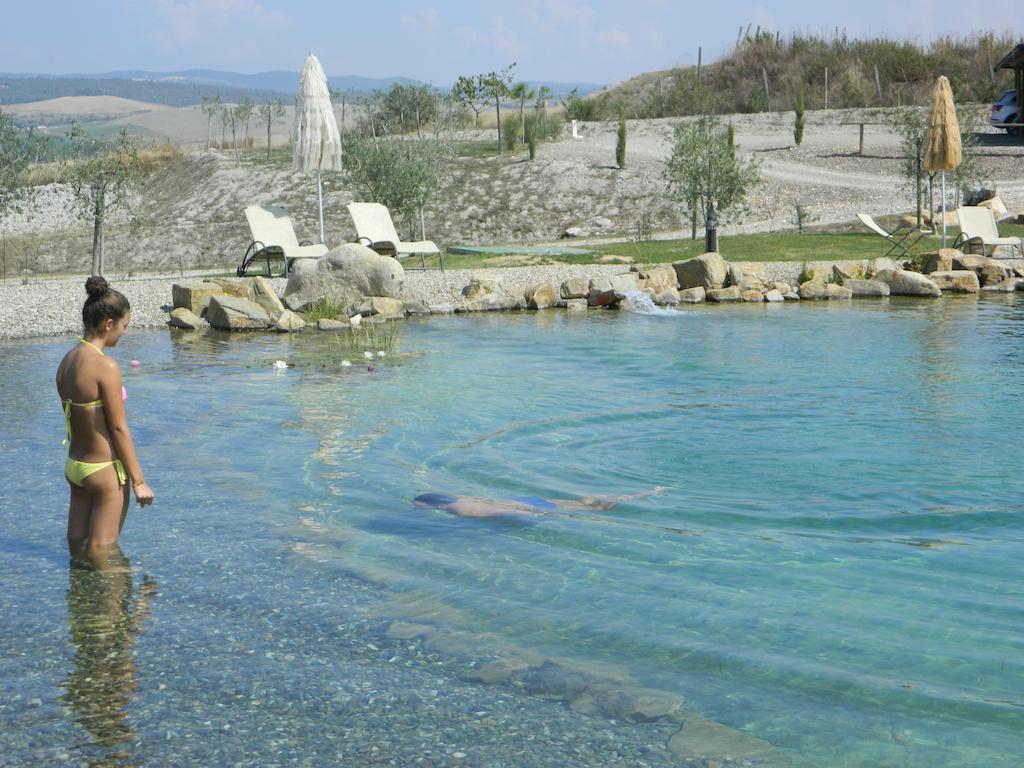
615,38
424,18
499,37
188,22
547,13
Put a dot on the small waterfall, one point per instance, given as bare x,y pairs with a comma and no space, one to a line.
642,303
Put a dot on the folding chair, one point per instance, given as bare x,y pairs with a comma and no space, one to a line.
273,237
902,238
375,229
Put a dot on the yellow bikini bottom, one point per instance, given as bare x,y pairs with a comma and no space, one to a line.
76,471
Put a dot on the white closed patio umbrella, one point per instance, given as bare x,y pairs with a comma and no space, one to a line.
317,141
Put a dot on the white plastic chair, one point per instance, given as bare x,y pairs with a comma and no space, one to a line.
273,237
376,230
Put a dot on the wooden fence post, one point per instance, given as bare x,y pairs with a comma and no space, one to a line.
767,95
826,87
878,84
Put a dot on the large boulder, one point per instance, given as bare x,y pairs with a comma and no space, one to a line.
874,288
818,290
182,317
343,277
997,206
230,313
707,271
289,322
625,283
940,260
904,283
243,289
989,271
264,295
478,287
692,295
575,287
195,295
383,306
956,281
659,279
723,295
1009,285
541,296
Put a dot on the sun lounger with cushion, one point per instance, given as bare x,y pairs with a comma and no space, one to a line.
978,230
900,239
375,229
273,237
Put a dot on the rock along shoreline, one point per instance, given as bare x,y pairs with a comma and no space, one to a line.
45,306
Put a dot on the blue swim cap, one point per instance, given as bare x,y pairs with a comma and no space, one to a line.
436,499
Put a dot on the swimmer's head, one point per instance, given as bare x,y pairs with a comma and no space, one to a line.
438,500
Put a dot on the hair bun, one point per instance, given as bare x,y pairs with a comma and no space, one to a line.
96,286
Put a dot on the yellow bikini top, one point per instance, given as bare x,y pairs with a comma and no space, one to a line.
90,404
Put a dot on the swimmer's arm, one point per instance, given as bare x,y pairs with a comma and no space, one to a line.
605,503
117,424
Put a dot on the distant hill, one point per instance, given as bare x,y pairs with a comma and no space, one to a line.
187,87
877,72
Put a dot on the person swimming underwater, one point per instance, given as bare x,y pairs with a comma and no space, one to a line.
528,506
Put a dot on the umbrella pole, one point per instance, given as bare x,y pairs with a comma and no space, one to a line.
943,210
320,199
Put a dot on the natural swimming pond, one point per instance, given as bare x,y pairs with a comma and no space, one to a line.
830,569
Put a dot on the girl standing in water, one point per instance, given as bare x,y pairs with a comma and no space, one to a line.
101,456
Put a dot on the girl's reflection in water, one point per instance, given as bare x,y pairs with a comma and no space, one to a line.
104,617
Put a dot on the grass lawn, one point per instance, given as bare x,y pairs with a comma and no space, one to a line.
776,246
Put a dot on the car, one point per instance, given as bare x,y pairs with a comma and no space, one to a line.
1005,112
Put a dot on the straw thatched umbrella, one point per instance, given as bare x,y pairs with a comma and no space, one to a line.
317,143
944,148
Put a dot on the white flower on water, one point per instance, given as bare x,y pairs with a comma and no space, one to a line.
345,364
381,353
280,364
368,355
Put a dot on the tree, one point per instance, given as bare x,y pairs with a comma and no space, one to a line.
211,108
496,86
911,125
271,112
620,141
102,175
244,111
522,91
703,172
402,174
17,149
467,92
798,121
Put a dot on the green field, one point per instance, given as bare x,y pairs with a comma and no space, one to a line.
775,246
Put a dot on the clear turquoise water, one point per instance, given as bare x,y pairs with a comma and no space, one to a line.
833,564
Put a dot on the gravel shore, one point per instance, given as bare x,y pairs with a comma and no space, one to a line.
52,307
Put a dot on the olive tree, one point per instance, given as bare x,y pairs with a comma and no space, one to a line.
402,174
18,147
911,125
703,171
102,174
271,112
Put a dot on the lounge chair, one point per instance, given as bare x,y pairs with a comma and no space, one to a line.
978,230
375,229
902,238
273,237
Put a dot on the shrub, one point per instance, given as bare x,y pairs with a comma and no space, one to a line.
510,128
531,138
620,143
798,123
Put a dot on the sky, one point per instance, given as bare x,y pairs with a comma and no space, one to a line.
596,41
